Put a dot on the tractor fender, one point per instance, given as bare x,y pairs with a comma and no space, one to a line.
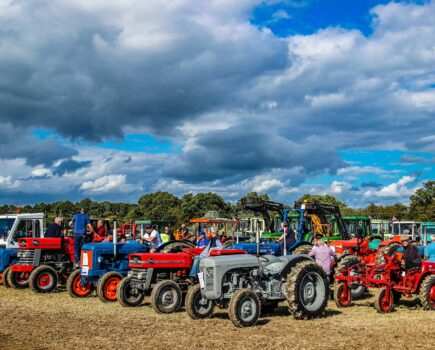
8,257
292,261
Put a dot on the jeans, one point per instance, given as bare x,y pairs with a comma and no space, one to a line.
195,266
79,240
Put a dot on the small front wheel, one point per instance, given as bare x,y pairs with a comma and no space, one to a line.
107,286
244,309
342,295
198,307
43,279
18,280
384,301
75,286
127,295
166,297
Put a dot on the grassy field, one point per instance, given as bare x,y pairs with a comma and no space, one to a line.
55,321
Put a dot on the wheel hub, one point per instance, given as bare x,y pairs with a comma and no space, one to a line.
247,309
168,298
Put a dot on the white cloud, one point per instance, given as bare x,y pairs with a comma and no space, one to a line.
397,189
108,183
267,185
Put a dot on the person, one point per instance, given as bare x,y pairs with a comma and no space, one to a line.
411,254
288,237
323,255
214,243
54,230
430,249
184,230
82,224
153,237
101,232
169,232
202,240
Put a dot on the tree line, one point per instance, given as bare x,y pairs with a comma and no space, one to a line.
166,206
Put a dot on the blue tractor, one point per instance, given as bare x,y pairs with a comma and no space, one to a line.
103,265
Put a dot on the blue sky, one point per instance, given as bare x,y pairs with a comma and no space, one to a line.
284,97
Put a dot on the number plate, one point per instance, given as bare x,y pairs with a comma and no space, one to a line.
201,280
134,284
85,270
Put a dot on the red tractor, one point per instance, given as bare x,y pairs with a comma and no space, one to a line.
391,280
47,261
164,275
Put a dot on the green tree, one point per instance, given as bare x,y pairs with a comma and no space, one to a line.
160,206
423,202
324,199
201,203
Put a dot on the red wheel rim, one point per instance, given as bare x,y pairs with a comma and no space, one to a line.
386,302
110,288
344,296
79,288
1,278
432,295
44,280
22,277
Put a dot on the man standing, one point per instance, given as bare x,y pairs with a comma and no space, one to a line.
184,230
411,254
288,237
54,230
213,244
153,237
169,233
81,223
430,249
323,255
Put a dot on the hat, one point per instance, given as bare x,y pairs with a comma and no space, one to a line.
404,238
201,233
147,227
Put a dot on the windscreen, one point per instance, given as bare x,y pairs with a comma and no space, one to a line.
5,227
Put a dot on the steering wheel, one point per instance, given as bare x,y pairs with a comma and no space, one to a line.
265,259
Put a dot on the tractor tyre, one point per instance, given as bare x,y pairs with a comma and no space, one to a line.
307,290
176,247
344,264
228,243
43,279
302,249
166,297
127,296
388,250
384,303
18,280
341,298
6,272
427,292
244,308
75,287
196,307
107,286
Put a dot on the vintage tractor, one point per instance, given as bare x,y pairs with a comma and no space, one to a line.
103,265
48,261
164,275
246,284
12,228
391,280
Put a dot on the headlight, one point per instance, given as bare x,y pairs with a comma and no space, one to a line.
100,259
35,243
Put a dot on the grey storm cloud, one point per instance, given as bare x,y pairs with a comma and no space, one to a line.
70,166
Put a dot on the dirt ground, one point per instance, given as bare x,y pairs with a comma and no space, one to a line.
54,321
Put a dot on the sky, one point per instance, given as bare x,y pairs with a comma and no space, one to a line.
111,100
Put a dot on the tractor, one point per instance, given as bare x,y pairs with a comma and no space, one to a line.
12,228
48,261
164,275
247,285
391,280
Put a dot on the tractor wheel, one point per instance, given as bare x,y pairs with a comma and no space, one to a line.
343,265
43,279
228,243
341,297
75,287
18,280
176,247
384,303
388,250
268,308
6,272
127,296
197,307
302,249
244,308
427,292
107,285
307,290
166,297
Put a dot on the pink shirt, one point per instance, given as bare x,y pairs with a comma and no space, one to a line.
323,256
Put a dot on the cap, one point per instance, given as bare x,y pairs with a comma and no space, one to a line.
147,227
404,238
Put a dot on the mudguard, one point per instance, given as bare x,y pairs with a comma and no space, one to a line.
7,258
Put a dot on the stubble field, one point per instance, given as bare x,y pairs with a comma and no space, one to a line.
56,321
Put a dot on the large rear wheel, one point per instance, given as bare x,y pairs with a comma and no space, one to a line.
302,249
128,296
387,250
177,246
75,286
43,279
198,307
166,297
244,309
343,267
107,286
306,290
427,293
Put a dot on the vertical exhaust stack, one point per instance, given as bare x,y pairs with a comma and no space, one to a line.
115,238
257,238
